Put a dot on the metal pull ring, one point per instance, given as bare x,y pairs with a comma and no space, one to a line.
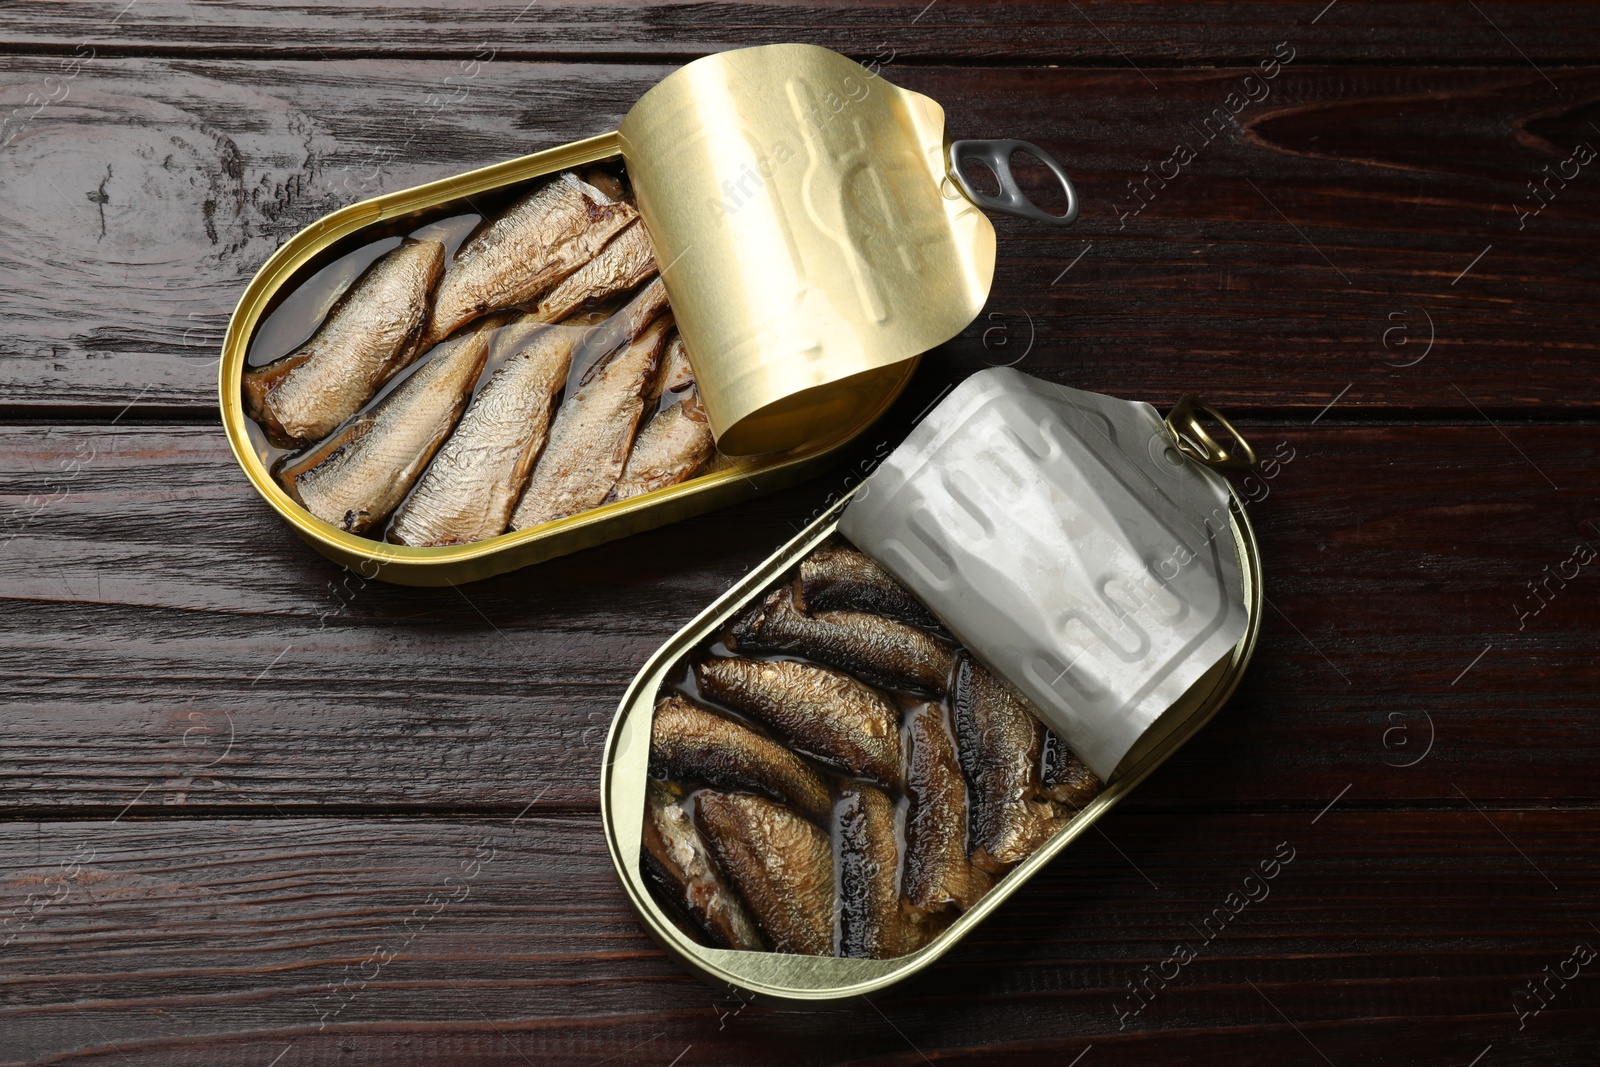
1194,441
996,155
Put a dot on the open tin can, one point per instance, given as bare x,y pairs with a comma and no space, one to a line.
812,244
802,979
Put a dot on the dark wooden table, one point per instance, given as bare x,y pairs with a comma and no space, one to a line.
232,772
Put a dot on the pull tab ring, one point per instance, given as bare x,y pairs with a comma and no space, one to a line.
996,155
1195,441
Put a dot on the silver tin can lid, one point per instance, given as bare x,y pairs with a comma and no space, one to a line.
1064,538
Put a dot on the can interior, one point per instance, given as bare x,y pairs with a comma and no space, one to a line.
294,311
338,242
811,979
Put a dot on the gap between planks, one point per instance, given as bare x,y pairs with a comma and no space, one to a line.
92,416
499,812
1209,63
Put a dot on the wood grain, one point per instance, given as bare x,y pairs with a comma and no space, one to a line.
164,631
424,942
233,778
1147,32
1356,227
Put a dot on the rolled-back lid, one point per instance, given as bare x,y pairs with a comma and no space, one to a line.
807,235
1065,539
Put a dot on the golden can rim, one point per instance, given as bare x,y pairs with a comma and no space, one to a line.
803,980
451,564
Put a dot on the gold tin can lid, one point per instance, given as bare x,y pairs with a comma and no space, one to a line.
809,239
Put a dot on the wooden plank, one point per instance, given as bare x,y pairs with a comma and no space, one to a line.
166,640
483,941
1358,227
1133,31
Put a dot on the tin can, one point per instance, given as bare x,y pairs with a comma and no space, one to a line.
802,980
814,239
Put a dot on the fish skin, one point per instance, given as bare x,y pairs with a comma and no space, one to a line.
616,330
625,263
781,864
675,855
939,877
672,448
676,443
872,925
469,489
591,435
1065,778
642,309
836,577
998,741
825,713
538,241
371,334
606,182
875,649
675,374
687,741
356,478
